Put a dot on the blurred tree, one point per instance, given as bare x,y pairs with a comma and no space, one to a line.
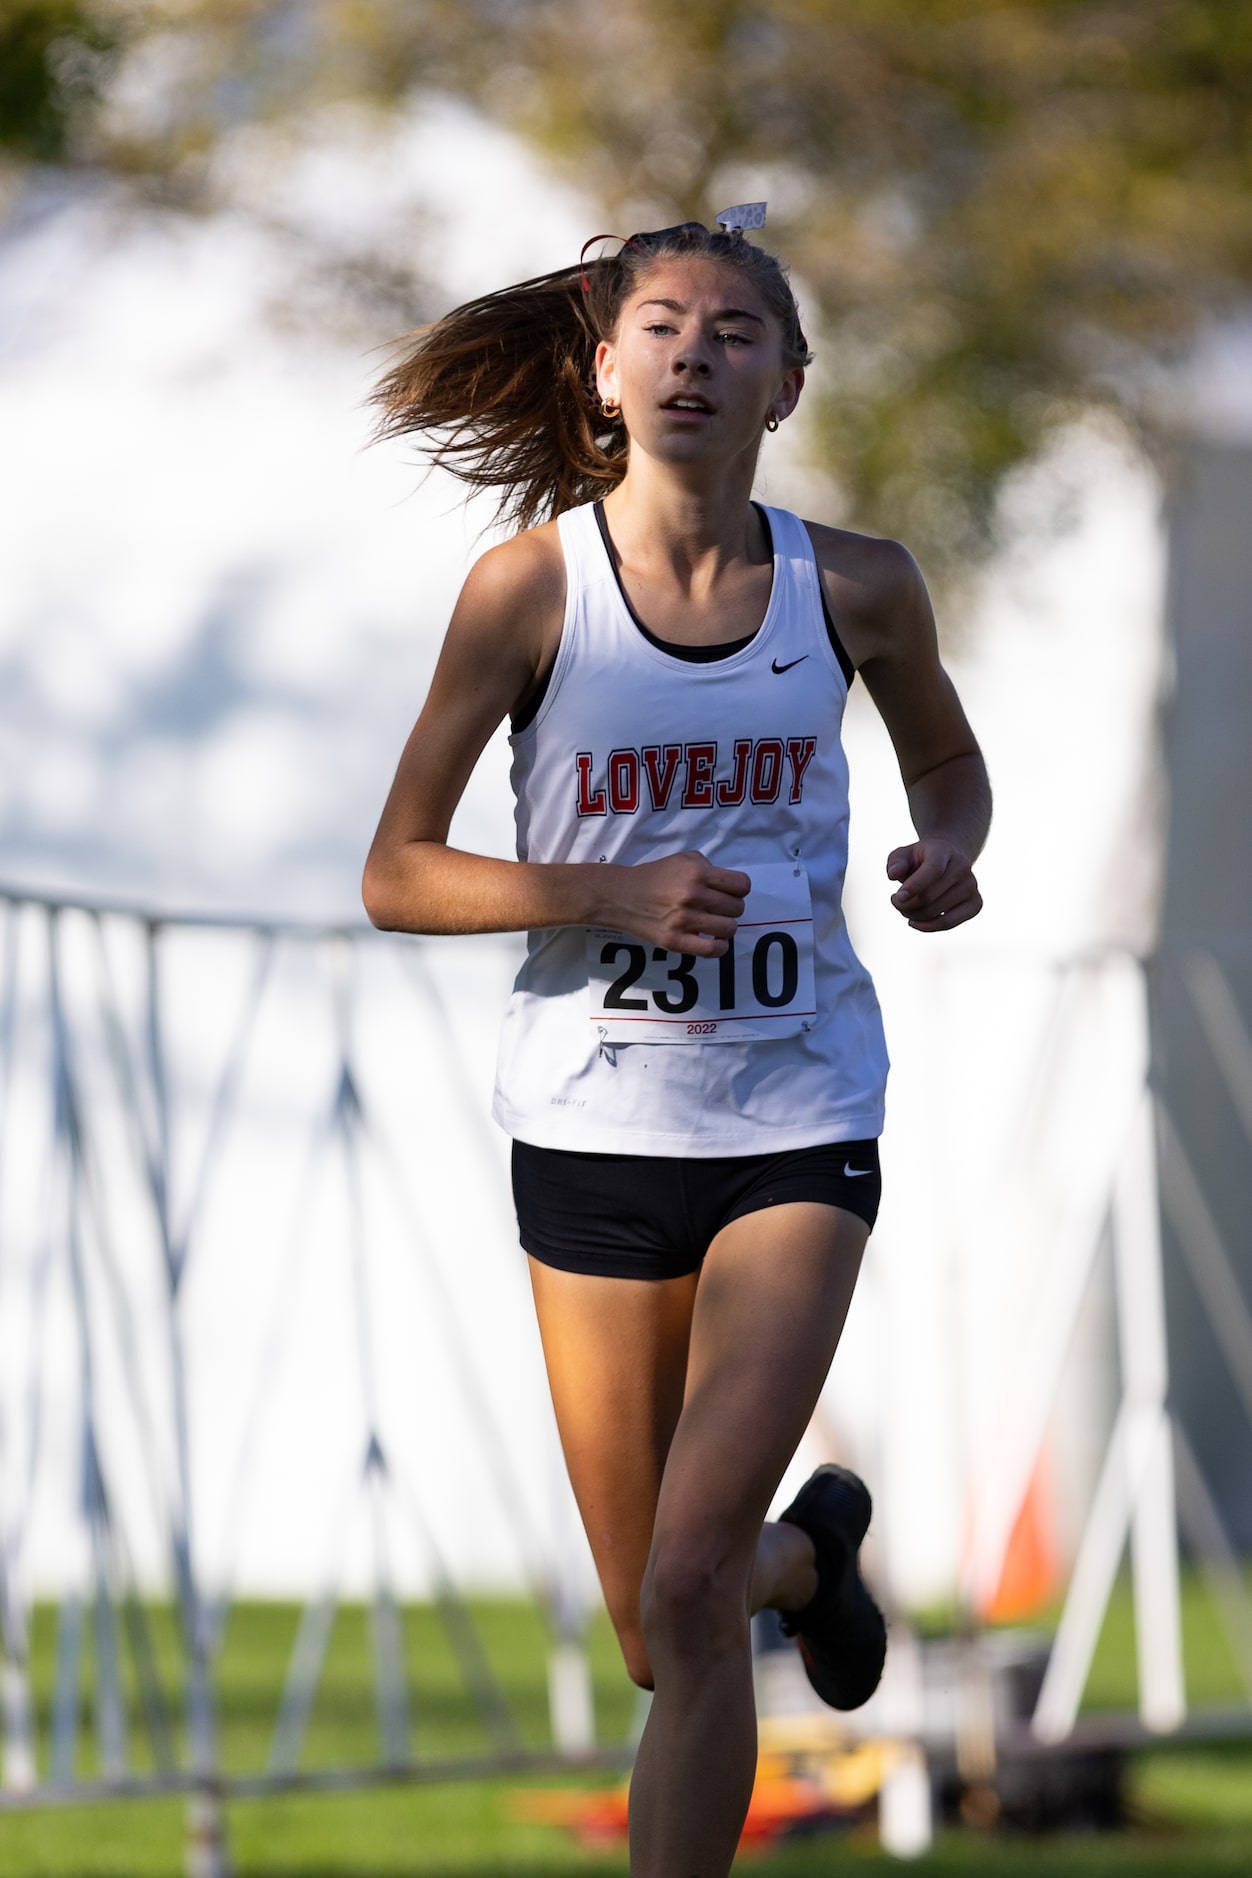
55,61
1000,212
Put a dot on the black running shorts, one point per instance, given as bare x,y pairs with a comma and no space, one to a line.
651,1216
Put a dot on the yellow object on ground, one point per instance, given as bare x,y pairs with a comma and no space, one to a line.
803,1778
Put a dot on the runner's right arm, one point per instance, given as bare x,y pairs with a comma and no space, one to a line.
503,633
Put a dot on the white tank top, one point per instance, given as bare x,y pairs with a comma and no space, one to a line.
612,1046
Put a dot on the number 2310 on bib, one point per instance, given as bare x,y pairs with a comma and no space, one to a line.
761,987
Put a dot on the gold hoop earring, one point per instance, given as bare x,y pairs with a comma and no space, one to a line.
771,422
610,408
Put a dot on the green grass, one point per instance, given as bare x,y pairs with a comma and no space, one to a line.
1211,1675
467,1832
1193,1806
252,1665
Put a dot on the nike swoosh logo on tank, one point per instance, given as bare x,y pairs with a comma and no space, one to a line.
780,669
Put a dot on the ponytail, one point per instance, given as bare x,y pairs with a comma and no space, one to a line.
503,388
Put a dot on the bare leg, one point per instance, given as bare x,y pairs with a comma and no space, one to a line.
784,1576
759,1330
770,1306
616,1355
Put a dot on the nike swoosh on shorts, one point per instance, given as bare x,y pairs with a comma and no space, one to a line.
854,1173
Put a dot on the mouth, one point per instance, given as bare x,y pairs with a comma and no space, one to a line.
697,406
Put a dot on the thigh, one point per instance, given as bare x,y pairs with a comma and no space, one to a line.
616,1355
773,1295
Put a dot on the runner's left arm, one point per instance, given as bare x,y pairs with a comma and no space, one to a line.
941,765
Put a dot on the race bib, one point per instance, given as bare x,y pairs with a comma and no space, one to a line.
761,987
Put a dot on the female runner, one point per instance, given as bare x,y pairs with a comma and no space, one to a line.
692,1065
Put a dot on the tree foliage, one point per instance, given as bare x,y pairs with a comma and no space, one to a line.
999,212
55,61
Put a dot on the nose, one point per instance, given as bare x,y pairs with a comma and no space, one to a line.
693,355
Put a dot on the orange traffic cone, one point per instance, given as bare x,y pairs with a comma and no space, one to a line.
1029,1576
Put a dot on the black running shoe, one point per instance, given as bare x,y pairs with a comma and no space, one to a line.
841,1631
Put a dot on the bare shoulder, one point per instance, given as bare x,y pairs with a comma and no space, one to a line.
507,621
520,580
876,592
882,609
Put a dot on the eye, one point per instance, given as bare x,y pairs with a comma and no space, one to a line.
658,326
735,338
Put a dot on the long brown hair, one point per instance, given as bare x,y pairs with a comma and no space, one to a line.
503,388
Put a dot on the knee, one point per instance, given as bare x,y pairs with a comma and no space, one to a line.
624,1614
638,1664
633,1646
695,1597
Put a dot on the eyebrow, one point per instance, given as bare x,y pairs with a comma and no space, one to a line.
726,313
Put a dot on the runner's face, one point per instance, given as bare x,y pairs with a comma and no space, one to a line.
697,363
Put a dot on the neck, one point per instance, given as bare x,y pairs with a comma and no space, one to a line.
660,513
